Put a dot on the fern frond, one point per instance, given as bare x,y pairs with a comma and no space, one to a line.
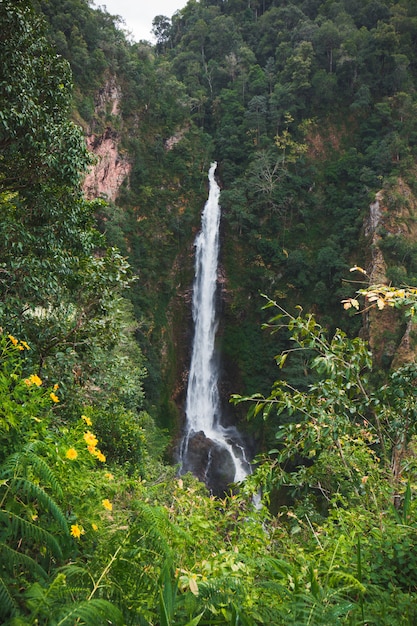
42,469
7,604
309,610
29,458
30,491
345,580
43,599
12,558
152,522
29,531
90,613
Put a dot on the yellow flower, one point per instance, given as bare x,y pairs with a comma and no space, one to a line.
97,453
71,454
109,476
25,345
94,526
20,347
90,439
77,531
13,340
33,380
87,420
101,457
56,386
107,504
53,397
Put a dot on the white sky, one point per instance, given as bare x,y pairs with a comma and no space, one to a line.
138,14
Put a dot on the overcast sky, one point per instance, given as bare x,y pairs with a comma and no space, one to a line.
138,14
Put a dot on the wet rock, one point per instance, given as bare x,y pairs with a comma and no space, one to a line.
210,462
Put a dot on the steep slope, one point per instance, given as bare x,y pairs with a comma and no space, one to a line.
309,109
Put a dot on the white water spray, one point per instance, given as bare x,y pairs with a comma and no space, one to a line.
203,402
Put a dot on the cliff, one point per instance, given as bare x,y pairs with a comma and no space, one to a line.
391,232
112,167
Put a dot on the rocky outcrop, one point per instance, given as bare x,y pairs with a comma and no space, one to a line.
388,334
111,167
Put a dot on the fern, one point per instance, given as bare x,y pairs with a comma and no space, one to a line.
19,462
8,605
307,610
28,490
56,605
29,531
12,558
91,613
153,522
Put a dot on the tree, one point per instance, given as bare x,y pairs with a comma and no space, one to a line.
343,415
161,27
58,284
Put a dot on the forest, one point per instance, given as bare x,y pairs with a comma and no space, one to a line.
309,109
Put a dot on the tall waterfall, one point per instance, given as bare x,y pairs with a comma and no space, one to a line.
211,451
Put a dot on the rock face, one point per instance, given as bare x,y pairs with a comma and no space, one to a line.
389,338
111,167
211,463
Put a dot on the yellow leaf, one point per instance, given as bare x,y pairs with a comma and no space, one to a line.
192,583
380,304
356,268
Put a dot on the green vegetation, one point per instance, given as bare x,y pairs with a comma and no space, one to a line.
309,109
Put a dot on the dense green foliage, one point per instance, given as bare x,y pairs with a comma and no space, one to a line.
309,109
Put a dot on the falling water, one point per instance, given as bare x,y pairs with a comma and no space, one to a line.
215,443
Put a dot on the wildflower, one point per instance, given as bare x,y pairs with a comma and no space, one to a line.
94,526
71,454
100,456
90,439
107,504
54,397
33,380
13,340
87,420
20,347
77,531
25,345
109,476
56,386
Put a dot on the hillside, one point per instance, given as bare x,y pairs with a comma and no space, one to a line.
309,108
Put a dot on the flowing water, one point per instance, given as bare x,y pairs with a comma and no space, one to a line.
210,450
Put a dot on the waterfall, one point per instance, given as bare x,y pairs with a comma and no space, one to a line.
211,451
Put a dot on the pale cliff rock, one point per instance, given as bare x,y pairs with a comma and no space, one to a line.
111,167
386,331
